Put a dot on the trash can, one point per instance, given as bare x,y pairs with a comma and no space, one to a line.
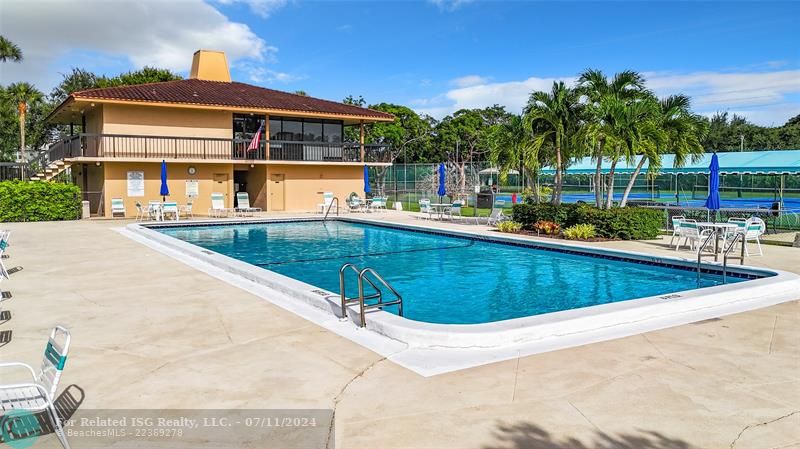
85,213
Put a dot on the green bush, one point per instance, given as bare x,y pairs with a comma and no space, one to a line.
39,201
511,227
583,231
628,223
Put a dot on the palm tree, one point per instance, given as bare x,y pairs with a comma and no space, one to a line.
510,144
553,117
9,51
23,95
680,132
605,101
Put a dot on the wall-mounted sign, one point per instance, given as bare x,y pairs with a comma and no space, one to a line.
192,188
135,183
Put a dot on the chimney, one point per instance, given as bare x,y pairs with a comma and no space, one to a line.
210,65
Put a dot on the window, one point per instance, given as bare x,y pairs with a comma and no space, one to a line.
305,130
292,130
246,125
312,131
274,128
332,132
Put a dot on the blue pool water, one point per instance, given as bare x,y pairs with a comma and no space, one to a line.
443,279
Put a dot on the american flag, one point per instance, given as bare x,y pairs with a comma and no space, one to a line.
254,144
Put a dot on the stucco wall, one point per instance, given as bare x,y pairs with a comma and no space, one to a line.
116,184
304,184
165,121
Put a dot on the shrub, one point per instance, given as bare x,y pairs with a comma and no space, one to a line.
583,231
39,201
511,227
628,223
546,227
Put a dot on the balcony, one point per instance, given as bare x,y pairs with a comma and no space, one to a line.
132,147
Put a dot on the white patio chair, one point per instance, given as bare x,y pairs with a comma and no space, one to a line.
117,207
243,207
692,235
753,230
141,212
218,208
455,210
186,210
676,228
355,204
730,233
39,392
327,199
171,208
426,209
154,209
378,203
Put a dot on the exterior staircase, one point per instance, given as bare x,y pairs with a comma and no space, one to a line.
51,171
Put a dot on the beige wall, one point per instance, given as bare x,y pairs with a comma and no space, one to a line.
116,184
94,120
151,121
304,183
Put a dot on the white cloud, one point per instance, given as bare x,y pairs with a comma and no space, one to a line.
469,80
450,5
264,75
764,97
263,8
146,32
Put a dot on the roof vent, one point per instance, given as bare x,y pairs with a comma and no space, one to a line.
210,65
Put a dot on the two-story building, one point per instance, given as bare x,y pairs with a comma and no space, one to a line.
203,127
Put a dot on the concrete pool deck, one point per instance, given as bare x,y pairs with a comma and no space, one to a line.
151,332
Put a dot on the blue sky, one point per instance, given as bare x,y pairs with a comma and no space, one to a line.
437,56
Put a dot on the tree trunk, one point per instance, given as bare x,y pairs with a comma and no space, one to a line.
558,180
22,112
610,189
380,179
632,180
598,176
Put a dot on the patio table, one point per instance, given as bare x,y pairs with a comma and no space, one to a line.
441,208
721,228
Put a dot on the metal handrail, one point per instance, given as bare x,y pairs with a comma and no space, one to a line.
362,276
736,237
380,304
334,200
345,301
713,235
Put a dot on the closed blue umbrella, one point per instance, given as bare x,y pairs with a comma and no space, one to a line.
366,180
712,202
164,187
442,192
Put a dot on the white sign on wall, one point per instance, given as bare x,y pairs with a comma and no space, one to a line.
135,183
192,188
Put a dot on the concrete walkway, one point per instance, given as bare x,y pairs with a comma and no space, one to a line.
151,332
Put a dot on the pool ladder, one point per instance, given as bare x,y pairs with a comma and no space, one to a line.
726,250
334,200
362,298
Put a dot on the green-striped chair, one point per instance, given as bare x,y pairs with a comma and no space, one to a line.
117,207
38,394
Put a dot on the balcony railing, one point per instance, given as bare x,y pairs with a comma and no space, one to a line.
111,146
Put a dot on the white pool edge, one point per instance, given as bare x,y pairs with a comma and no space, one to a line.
430,349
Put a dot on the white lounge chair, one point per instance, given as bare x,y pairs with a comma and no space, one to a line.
38,393
327,199
243,207
171,208
218,208
4,236
496,215
117,207
378,203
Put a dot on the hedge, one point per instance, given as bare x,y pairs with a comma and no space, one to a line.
627,223
39,201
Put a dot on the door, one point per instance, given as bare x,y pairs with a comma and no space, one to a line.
276,191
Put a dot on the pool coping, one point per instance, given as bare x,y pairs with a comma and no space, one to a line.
430,349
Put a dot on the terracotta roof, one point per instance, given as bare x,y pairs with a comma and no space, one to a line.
216,93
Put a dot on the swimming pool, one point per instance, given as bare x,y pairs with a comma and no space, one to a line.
447,279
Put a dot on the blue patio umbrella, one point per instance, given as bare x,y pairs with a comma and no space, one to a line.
164,187
712,202
442,192
366,180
